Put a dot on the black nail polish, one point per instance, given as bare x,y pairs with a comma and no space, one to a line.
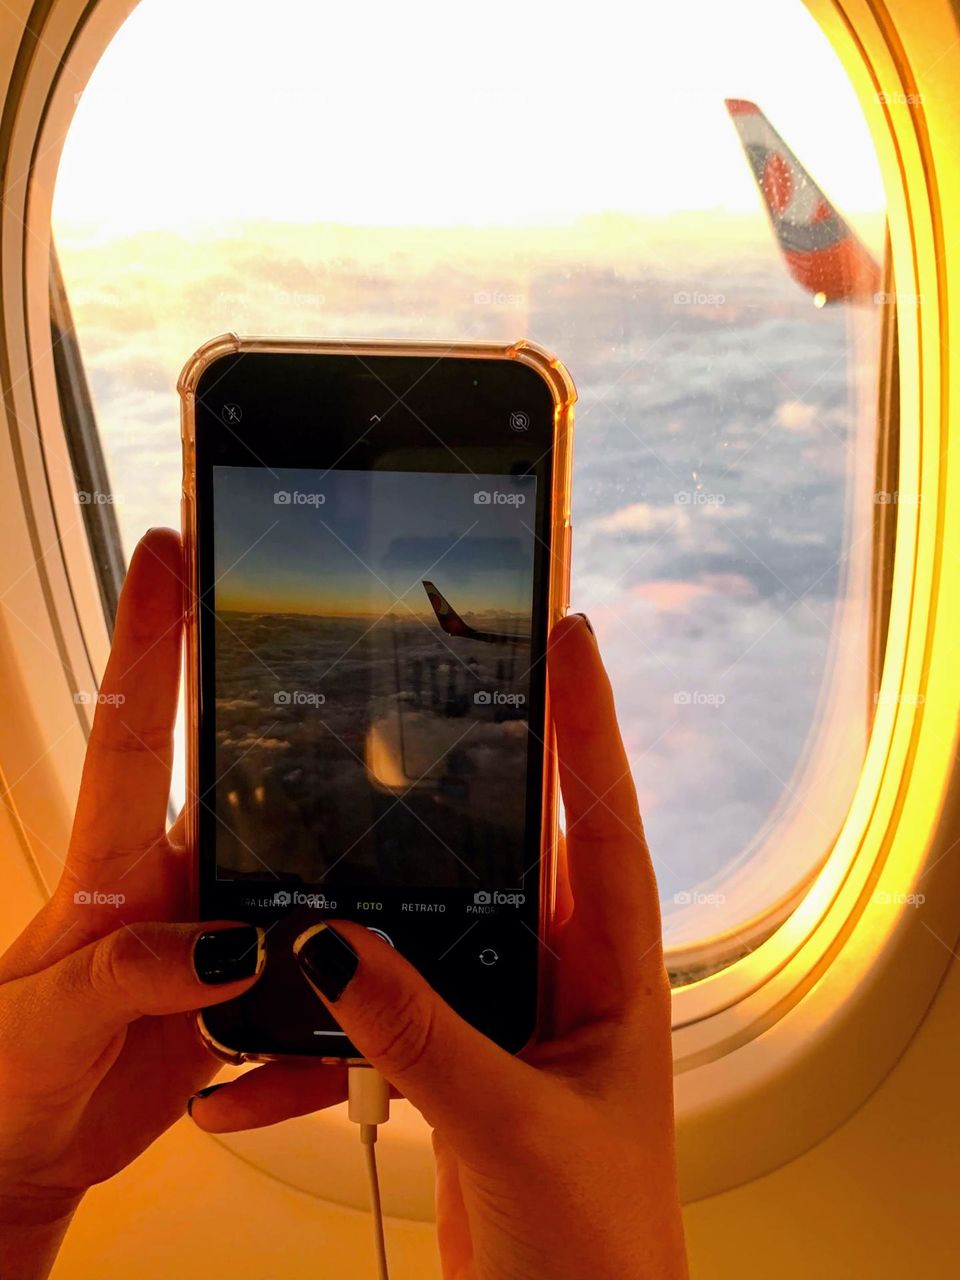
586,623
202,1093
227,955
327,959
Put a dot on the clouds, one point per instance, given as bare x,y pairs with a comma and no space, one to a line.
639,517
794,415
746,589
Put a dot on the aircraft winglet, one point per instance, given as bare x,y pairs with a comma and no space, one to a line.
454,625
821,252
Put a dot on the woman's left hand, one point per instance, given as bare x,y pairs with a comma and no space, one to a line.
97,1050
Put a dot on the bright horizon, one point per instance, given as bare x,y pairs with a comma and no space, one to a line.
410,613
201,116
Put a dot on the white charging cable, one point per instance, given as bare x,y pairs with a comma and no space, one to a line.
368,1105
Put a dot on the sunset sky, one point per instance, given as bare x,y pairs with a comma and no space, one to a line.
371,540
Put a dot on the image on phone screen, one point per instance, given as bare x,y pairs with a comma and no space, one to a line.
372,678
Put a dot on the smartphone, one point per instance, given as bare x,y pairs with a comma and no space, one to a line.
378,542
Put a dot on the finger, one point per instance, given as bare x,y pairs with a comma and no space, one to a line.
73,1011
608,863
126,776
267,1095
453,1232
456,1077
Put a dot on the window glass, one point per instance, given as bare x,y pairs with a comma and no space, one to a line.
573,176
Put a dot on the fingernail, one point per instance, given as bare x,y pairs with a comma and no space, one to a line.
202,1093
227,955
327,958
587,624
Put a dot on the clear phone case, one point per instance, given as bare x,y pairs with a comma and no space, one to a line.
564,397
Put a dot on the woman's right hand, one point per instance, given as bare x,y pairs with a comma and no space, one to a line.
558,1164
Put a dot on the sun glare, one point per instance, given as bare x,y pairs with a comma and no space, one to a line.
431,115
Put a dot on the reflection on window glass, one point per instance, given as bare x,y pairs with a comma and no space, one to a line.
502,180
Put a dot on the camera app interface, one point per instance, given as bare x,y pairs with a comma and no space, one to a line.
373,678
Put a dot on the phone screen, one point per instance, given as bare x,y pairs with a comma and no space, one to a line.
364,739
372,641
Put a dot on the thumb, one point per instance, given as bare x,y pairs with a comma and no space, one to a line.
460,1081
75,1005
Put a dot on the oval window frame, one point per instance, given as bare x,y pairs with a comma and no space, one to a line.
812,1020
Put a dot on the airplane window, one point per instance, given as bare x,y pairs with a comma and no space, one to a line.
691,220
